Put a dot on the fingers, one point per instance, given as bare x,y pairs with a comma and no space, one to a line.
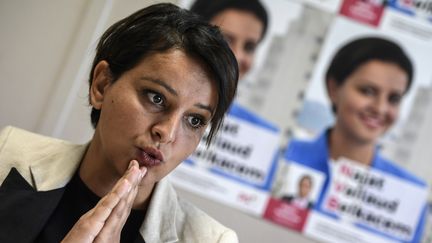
105,221
117,218
121,190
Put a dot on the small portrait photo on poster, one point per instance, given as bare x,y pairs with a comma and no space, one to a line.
302,186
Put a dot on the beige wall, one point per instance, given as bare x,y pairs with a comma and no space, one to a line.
36,36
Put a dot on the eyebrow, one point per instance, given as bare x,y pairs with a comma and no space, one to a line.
174,92
163,84
371,83
205,107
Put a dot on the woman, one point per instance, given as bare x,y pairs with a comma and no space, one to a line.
243,22
159,78
366,82
301,198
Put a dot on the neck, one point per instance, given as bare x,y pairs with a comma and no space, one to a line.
100,175
342,145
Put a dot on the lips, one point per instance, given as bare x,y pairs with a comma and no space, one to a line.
149,157
372,122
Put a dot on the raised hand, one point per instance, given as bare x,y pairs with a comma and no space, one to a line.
105,221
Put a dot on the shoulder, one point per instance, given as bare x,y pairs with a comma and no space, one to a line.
170,217
200,227
312,152
23,146
22,149
300,144
299,150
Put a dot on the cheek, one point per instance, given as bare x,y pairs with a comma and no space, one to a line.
187,143
249,59
123,111
345,107
393,114
353,102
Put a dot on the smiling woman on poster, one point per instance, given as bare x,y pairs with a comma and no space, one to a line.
243,22
160,77
366,82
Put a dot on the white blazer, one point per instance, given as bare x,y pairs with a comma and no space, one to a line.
48,164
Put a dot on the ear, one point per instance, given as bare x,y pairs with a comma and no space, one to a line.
101,81
332,89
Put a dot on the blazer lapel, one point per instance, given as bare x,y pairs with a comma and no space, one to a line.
160,222
23,210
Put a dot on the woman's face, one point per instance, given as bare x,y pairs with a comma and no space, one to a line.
243,31
368,101
155,113
305,187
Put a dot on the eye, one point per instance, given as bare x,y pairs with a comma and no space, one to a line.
368,91
395,99
195,121
250,47
155,98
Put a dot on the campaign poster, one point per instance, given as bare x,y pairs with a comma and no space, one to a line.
344,201
238,167
367,203
283,98
399,144
294,195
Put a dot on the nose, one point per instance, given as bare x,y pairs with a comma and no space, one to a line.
239,54
381,104
164,131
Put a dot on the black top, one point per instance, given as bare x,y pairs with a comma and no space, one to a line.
76,201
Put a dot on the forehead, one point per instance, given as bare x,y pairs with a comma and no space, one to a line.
182,72
382,74
239,23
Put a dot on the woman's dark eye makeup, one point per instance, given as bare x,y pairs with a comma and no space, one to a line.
395,98
154,97
367,90
196,121
250,47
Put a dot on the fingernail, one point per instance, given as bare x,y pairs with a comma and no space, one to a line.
130,164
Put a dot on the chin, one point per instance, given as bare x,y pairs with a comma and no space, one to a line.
369,138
